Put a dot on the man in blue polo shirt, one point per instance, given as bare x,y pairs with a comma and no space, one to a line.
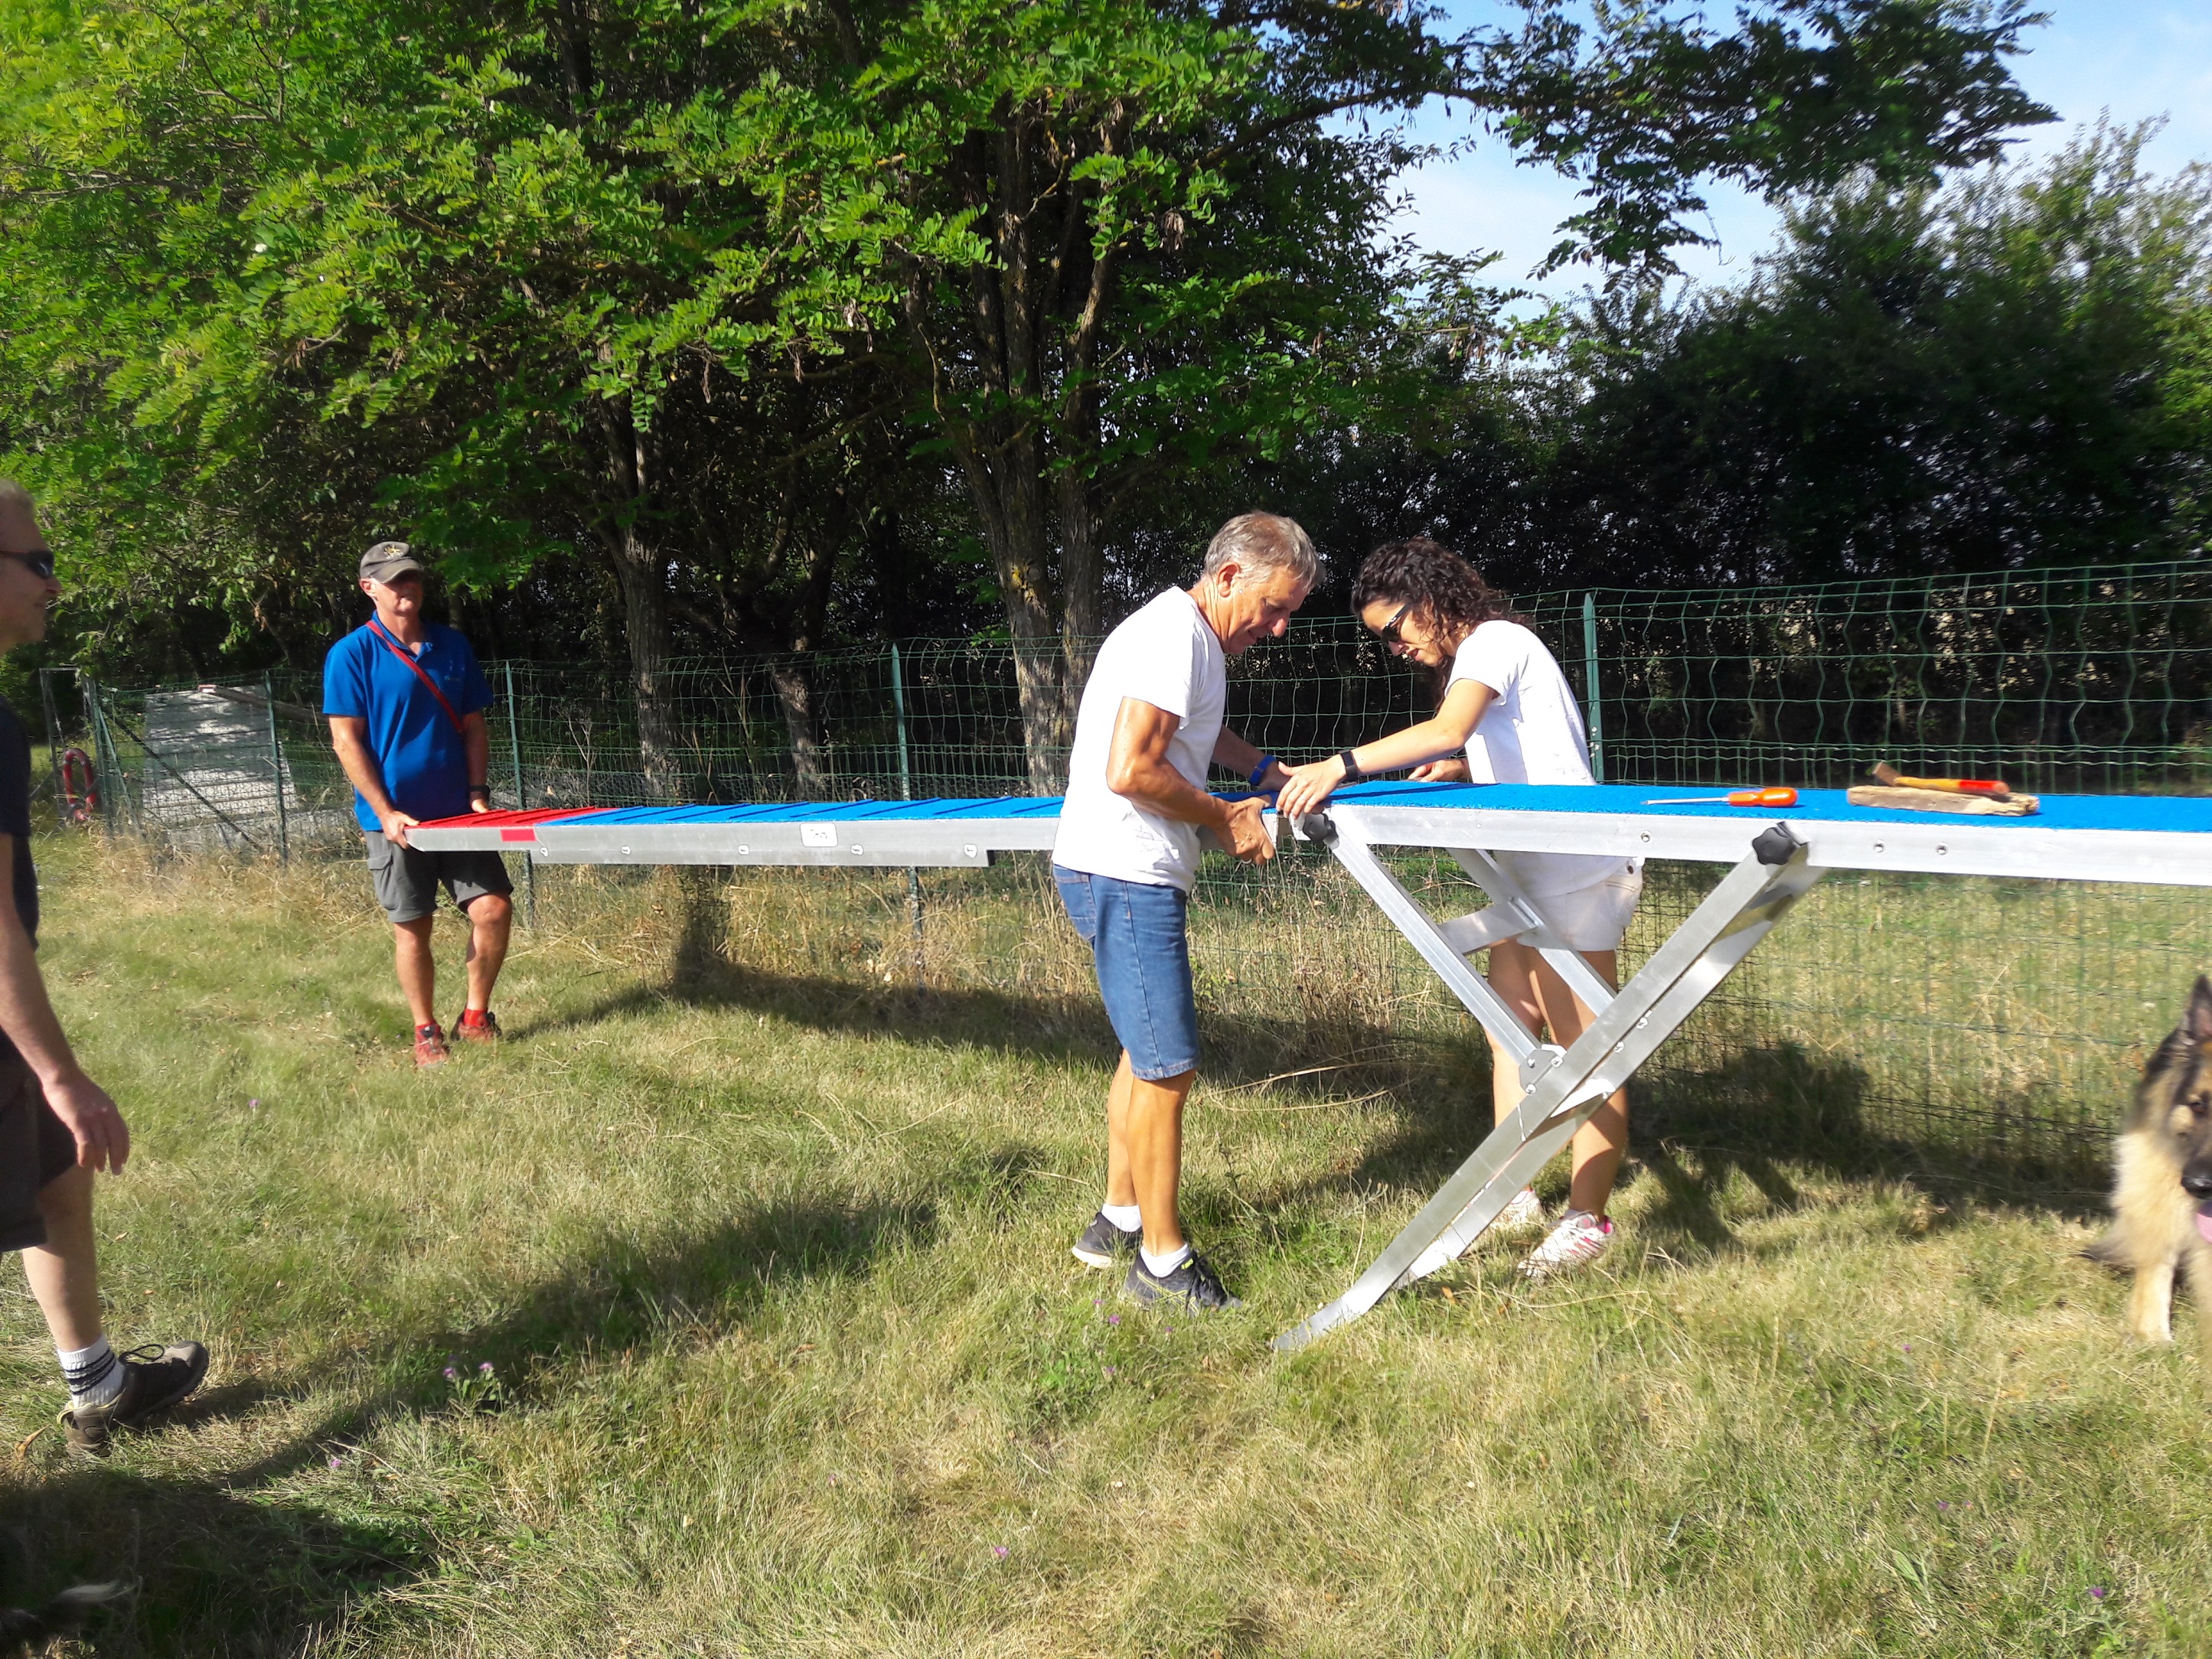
405,702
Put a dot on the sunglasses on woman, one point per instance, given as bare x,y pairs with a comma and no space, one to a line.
39,563
1389,633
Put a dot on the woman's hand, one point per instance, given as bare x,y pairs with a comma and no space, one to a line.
1454,770
1309,785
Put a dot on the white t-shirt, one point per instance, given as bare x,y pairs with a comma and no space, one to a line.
1167,655
1532,732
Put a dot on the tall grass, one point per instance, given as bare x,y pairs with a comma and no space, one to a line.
768,1261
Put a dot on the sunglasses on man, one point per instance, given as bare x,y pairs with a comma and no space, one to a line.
39,563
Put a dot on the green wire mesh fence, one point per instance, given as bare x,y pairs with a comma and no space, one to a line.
2005,1018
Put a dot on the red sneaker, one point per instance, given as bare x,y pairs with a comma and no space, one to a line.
477,1025
430,1045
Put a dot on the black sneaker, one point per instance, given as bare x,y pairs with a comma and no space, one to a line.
1103,1243
154,1379
1193,1281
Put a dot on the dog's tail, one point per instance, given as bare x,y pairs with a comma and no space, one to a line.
2106,1251
24,1632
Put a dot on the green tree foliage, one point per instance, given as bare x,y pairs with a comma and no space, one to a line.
724,294
2011,373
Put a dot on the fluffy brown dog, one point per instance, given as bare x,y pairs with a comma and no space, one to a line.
2162,1181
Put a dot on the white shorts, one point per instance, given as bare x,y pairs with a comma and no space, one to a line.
1594,918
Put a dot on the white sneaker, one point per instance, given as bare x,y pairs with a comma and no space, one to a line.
1578,1240
1523,1213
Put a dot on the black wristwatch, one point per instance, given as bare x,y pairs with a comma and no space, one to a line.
476,789
1352,772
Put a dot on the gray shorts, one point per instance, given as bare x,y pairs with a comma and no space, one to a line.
35,1148
406,878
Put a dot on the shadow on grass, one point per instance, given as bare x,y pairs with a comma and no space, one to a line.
1237,1048
215,1572
1693,1133
231,1564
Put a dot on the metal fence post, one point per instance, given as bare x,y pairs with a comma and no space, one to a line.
1589,669
277,770
522,801
54,743
906,792
105,765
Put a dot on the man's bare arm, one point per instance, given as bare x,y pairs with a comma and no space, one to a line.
349,737
1239,755
103,1140
476,738
1138,771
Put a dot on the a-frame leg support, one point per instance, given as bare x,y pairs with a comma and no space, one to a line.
1563,1089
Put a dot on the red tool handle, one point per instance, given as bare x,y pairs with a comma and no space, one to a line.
1773,797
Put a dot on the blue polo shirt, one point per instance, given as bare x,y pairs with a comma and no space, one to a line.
423,760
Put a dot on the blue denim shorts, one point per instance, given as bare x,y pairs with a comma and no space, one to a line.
1140,939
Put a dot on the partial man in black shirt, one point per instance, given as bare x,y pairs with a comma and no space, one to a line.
56,1125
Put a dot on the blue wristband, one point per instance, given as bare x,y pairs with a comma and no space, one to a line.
1260,770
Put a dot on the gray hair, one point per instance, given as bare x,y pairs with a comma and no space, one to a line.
1262,541
13,495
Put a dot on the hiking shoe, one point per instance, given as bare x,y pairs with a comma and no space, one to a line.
477,1025
1193,1282
430,1045
1578,1240
155,1378
1103,1243
1523,1213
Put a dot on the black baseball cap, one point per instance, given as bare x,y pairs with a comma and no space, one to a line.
386,560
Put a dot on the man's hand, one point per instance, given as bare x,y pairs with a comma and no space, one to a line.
1243,834
1309,785
395,824
479,802
103,1138
1442,771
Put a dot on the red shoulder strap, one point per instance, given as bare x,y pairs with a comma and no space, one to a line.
397,650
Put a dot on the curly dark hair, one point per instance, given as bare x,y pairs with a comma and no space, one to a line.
1449,592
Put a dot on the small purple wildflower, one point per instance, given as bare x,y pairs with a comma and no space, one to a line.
1940,1504
1110,1370
334,1463
452,1375
485,1368
1908,1347
1000,1550
254,1105
2096,1592
1096,1302
1113,1319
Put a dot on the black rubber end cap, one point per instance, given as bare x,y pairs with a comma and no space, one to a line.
1316,827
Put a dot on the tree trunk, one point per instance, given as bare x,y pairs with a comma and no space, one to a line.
641,571
794,677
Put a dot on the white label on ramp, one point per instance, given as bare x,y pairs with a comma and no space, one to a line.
817,835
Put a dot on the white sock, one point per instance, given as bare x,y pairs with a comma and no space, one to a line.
94,1374
1124,1216
1159,1267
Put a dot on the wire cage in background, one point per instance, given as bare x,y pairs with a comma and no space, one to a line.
2005,1018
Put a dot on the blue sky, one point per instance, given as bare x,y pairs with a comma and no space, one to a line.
2133,60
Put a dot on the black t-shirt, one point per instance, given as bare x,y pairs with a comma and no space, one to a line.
15,814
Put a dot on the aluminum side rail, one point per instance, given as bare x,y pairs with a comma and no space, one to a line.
942,834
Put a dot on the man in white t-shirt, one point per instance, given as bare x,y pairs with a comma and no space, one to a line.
1127,852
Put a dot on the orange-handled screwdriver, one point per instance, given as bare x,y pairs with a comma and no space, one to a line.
1770,797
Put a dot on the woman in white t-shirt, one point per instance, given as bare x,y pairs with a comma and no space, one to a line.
1502,699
